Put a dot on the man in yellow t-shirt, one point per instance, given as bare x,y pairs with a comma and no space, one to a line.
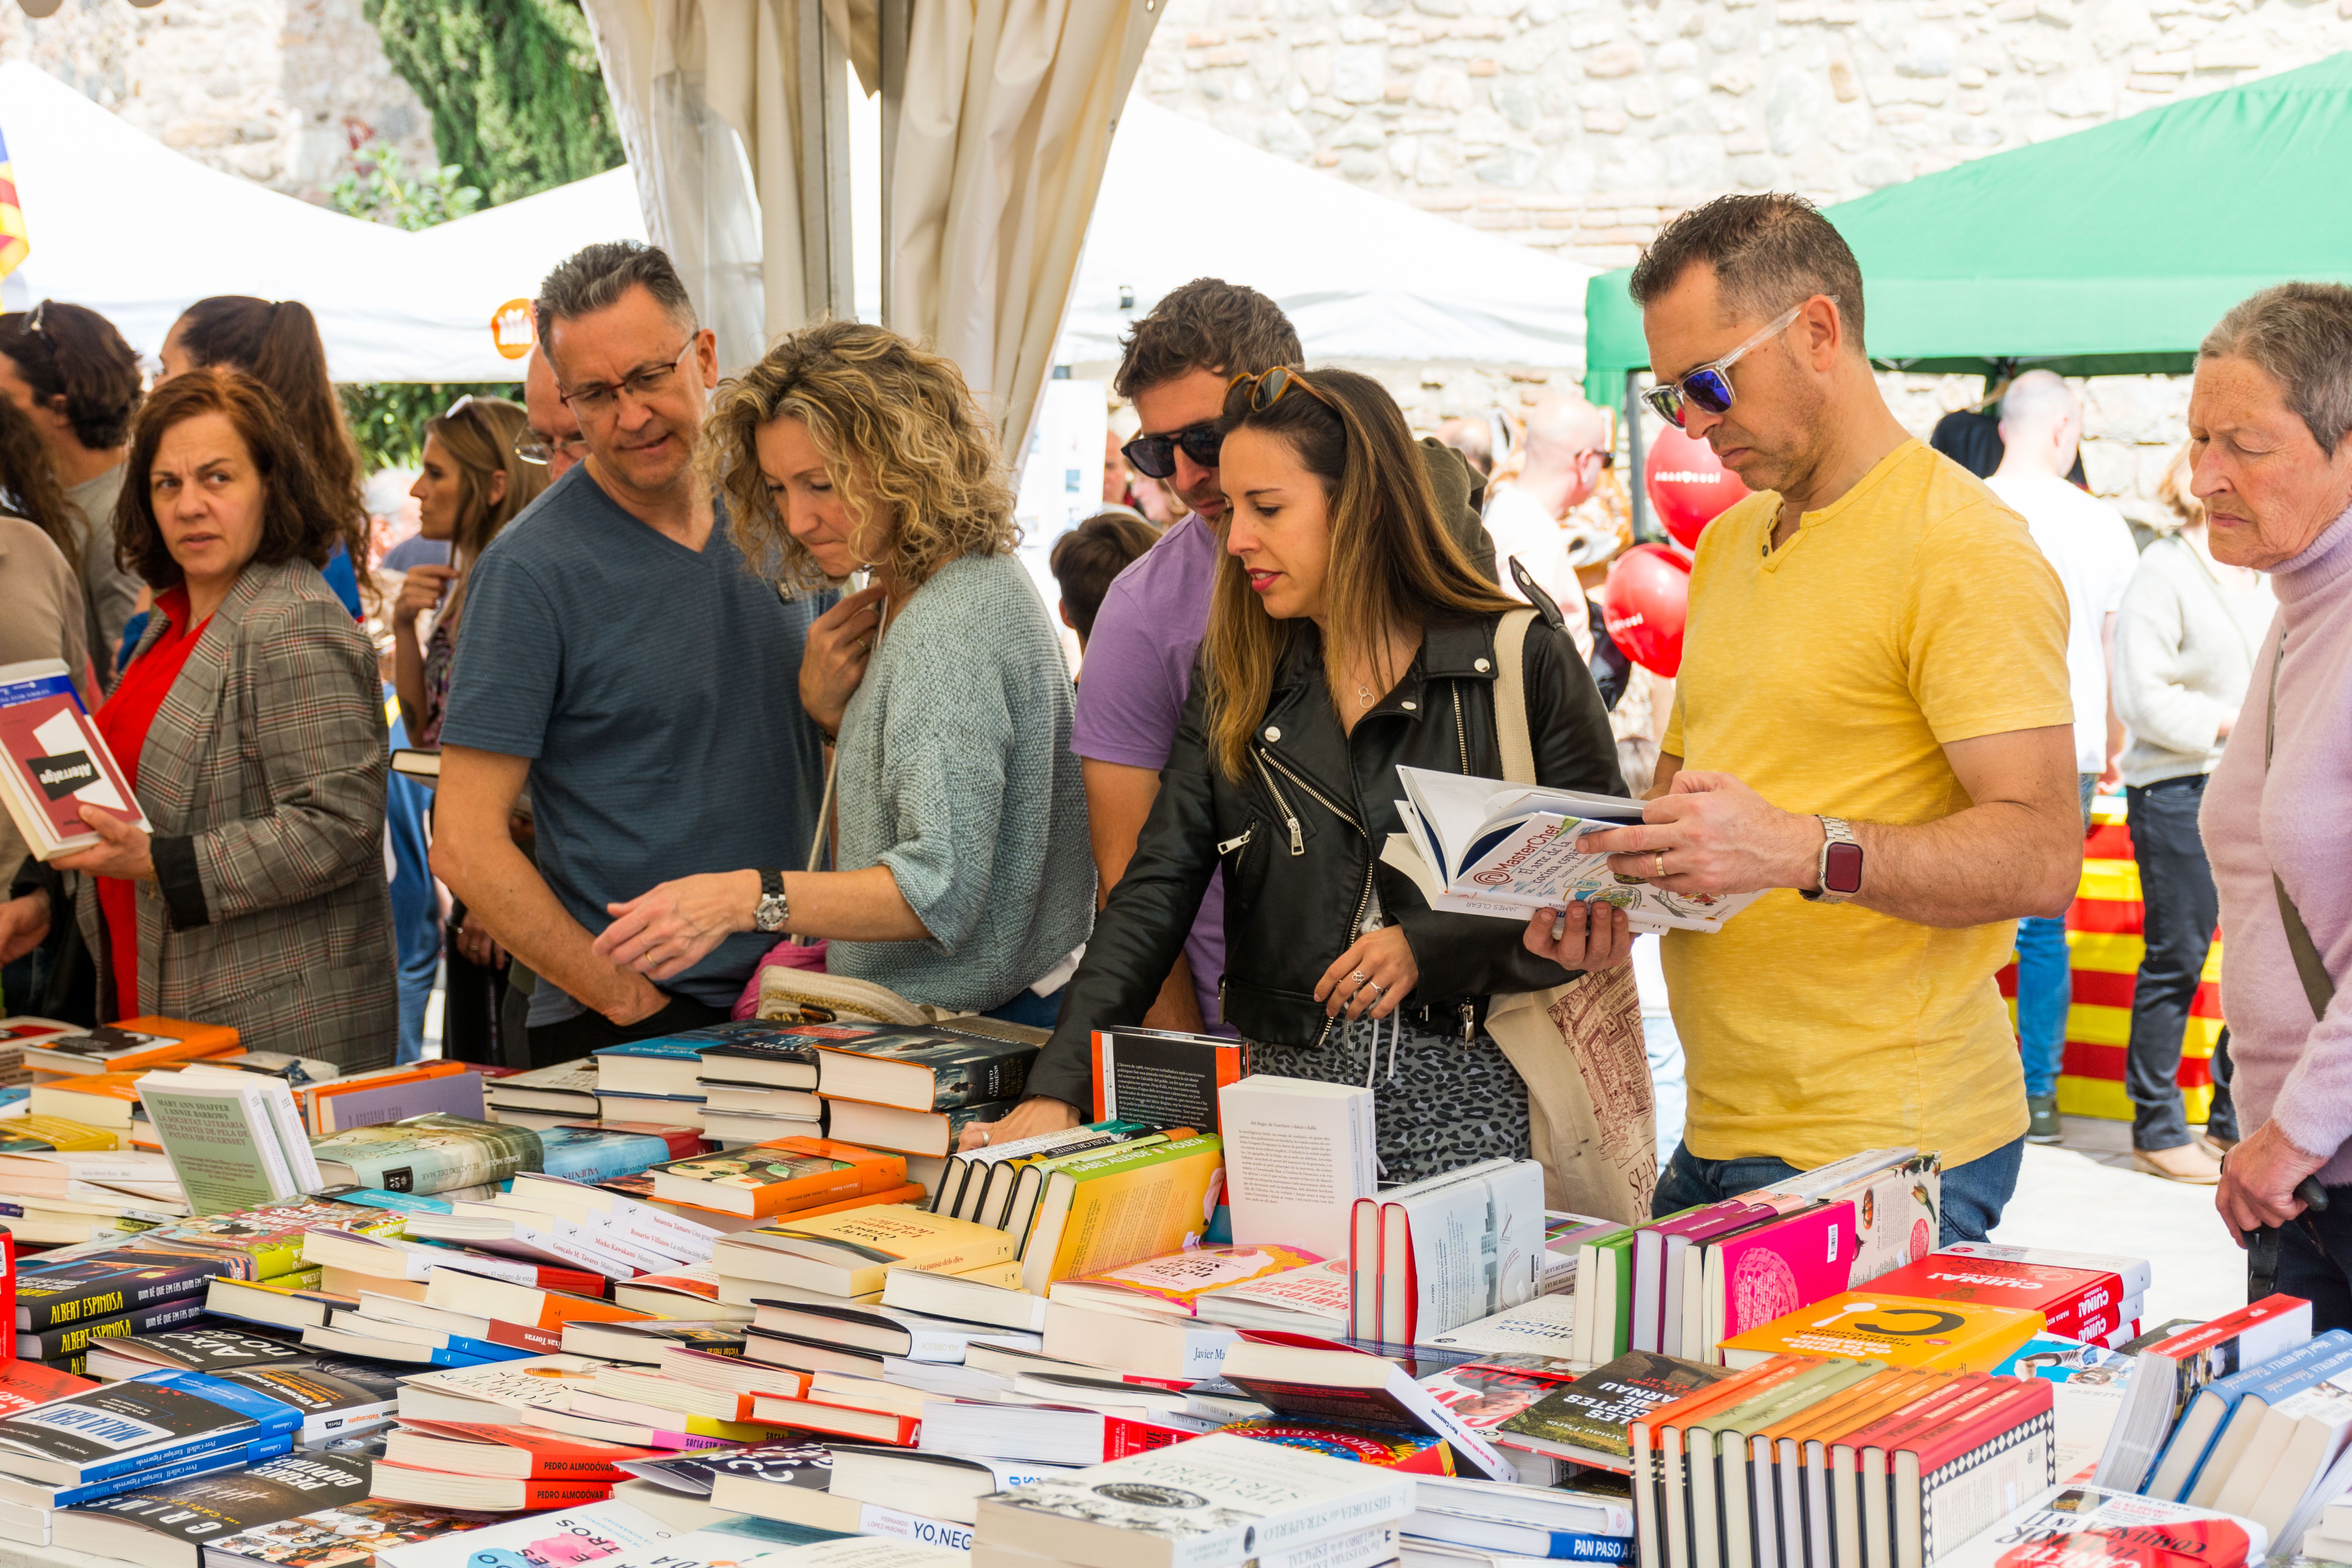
1871,721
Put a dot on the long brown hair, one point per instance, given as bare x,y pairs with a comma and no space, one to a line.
480,434
71,352
278,344
29,488
295,517
1392,565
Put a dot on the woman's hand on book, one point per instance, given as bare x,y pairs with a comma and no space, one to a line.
672,927
1582,936
122,850
1037,1114
1371,979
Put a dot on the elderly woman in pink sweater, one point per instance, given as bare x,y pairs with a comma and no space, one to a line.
2271,423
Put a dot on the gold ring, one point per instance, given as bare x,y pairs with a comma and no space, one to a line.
1661,866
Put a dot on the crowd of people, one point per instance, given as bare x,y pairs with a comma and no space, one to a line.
720,669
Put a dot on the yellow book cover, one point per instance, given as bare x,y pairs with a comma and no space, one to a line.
1104,1214
1944,1336
36,1133
1004,1276
857,1246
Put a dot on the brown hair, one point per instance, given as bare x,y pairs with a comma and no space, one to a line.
297,519
1769,251
278,344
29,488
1085,560
480,435
76,353
1393,565
900,435
1207,324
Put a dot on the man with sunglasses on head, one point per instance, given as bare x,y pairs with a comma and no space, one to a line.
1176,366
1872,726
621,658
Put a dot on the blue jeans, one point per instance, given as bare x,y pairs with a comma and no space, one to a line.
1038,1011
2045,986
1974,1194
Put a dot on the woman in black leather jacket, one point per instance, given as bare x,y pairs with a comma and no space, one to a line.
1348,636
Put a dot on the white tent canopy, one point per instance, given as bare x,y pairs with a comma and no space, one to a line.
136,232
1361,276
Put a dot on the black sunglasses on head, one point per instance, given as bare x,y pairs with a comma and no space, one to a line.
1154,457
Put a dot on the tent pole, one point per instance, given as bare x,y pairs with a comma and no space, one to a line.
896,19
825,167
1645,530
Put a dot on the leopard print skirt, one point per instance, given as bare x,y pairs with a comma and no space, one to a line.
1444,1105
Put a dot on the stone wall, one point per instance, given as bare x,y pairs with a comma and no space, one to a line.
1578,125
279,91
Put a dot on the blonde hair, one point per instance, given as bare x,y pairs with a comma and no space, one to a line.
480,434
1392,566
2173,490
903,441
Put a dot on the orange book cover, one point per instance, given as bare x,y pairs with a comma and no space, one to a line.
912,1193
780,1177
132,1045
1949,1336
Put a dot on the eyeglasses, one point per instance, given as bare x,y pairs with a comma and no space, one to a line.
600,398
1709,385
1154,457
539,451
1266,387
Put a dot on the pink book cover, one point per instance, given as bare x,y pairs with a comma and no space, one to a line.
61,764
1776,1269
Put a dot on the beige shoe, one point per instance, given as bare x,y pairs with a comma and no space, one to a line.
2217,1147
2188,1163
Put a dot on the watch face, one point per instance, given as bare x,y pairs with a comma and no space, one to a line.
1841,868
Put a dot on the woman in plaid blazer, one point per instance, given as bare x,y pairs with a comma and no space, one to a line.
251,723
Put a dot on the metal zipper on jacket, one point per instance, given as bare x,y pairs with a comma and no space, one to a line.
1325,801
1461,736
1297,836
1230,845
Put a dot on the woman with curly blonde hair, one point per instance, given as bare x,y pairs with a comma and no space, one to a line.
965,879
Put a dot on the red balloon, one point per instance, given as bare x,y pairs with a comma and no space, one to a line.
1644,603
1688,485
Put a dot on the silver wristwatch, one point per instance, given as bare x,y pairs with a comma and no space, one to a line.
774,908
1838,870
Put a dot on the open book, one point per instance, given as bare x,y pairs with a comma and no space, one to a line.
1481,846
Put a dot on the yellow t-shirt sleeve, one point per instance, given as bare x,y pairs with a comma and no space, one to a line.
1988,632
1671,742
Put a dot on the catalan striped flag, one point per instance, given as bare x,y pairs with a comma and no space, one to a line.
2103,938
14,245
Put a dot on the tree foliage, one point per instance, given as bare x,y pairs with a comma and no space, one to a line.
517,98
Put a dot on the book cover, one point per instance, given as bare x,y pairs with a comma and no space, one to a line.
432,1153
1316,1291
1103,1213
346,1537
335,1394
1951,1336
213,1349
109,1285
2070,1524
779,1057
923,1070
1593,1412
272,1235
223,1142
25,1383
597,1153
349,1107
196,1511
1180,1282
53,762
1162,1079
1774,1269
121,1428
862,1245
772,1179
43,1134
1298,1153
2076,1303
1483,1394
1895,1215
564,1536
1414,1453
1544,1327
132,1043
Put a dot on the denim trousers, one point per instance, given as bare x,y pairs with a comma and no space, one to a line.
2314,1261
2179,908
2045,986
1973,1194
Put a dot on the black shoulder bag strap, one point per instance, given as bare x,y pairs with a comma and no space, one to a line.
2317,988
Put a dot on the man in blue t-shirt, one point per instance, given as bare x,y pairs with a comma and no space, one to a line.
619,658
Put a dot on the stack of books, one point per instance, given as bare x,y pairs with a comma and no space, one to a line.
914,1090
52,1199
498,1467
662,1080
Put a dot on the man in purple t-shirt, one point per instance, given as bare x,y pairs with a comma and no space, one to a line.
1139,664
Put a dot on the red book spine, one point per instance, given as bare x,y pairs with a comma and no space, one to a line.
1122,1436
1980,1424
7,1295
526,1337
543,1494
570,1282
571,1470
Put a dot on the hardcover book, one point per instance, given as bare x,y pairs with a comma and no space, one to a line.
776,1057
169,1523
1162,1079
923,1070
432,1153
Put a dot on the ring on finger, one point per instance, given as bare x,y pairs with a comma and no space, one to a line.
1659,865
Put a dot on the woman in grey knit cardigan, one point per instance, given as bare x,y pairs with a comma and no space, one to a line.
2186,636
965,878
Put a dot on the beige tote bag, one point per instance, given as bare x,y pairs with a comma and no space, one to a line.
1590,1113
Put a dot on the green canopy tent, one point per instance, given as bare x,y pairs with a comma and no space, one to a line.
2111,251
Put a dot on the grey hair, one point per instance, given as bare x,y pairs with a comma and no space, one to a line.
594,278
2038,400
2300,335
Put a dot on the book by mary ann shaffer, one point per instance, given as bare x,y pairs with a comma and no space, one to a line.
430,1153
1482,846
